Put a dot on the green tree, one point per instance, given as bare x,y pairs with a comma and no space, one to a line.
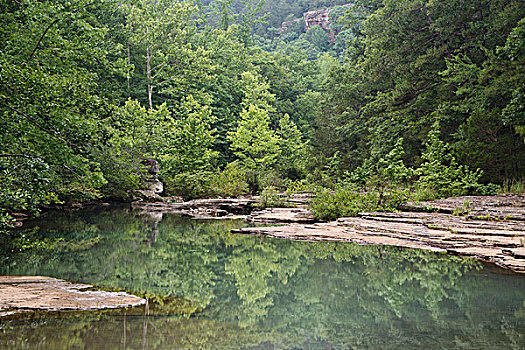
441,172
254,142
410,61
54,112
185,144
161,32
293,157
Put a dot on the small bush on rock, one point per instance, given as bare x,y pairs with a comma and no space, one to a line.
231,182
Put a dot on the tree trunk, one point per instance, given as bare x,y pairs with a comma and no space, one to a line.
129,63
148,75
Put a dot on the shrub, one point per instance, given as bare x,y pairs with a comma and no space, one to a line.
441,173
513,186
422,194
189,185
268,179
320,178
6,221
78,192
349,200
270,198
345,201
294,187
231,182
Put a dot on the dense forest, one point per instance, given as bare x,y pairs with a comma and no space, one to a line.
367,103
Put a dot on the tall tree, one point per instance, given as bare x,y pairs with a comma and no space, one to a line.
53,110
161,31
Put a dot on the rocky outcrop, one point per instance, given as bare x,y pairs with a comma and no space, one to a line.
294,210
147,196
476,207
320,17
203,208
30,293
152,183
281,215
492,229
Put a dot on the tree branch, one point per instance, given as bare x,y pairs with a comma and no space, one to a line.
48,28
35,123
41,38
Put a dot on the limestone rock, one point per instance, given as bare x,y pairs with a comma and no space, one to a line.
152,183
27,293
147,196
154,186
498,238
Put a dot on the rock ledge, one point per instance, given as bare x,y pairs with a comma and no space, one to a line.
31,293
491,229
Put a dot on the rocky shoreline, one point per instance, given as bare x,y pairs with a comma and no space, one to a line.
490,229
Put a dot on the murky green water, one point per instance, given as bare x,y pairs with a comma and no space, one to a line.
259,293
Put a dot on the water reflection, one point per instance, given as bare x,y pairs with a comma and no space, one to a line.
259,293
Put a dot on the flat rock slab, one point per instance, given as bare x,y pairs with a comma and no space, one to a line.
29,293
488,207
281,215
499,239
202,208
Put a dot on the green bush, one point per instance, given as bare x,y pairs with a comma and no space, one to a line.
124,174
121,187
294,187
270,198
231,182
189,185
78,192
422,194
270,178
346,201
441,173
349,200
320,178
513,186
6,221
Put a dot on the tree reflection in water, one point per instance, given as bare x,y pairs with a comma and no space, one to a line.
258,293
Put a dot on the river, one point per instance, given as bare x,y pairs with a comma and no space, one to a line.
210,289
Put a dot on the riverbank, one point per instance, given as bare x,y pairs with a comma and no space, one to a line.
490,229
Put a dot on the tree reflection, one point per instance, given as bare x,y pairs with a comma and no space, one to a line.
262,291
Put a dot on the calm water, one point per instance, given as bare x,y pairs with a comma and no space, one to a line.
257,293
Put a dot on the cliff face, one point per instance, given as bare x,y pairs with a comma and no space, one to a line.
317,18
314,18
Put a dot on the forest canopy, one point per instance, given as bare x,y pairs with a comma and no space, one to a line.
231,97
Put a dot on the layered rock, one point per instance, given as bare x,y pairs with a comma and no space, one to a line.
30,293
491,229
320,17
152,186
202,208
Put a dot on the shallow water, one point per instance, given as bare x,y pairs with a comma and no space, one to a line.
257,293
